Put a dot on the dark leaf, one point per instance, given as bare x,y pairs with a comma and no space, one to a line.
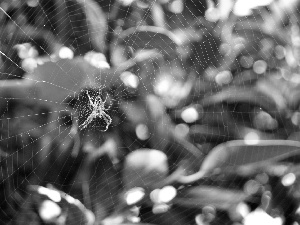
104,186
205,195
244,95
97,24
70,209
158,122
271,89
206,133
147,37
242,152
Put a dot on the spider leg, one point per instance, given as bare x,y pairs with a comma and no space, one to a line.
90,100
105,98
109,106
87,121
83,126
107,119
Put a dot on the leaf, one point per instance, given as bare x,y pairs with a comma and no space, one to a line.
271,88
289,89
187,35
243,95
205,52
245,78
217,115
145,168
148,37
134,112
104,185
239,153
158,15
222,133
72,209
163,133
254,32
16,89
241,132
158,122
295,136
71,22
205,195
97,23
206,133
54,82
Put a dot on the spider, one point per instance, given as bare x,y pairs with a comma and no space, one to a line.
98,110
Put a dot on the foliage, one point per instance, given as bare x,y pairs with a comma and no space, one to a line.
204,107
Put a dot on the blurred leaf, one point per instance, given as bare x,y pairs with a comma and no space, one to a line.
217,115
163,133
247,133
238,153
145,168
147,37
206,133
295,136
221,120
158,121
294,99
134,112
104,186
187,35
71,21
54,82
198,197
97,23
205,52
245,78
244,95
270,89
221,133
72,210
288,85
17,89
203,87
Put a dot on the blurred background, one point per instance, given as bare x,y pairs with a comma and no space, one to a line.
150,112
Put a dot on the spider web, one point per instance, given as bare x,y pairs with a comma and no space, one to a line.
39,140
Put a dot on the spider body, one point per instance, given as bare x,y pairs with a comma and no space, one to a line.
98,110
